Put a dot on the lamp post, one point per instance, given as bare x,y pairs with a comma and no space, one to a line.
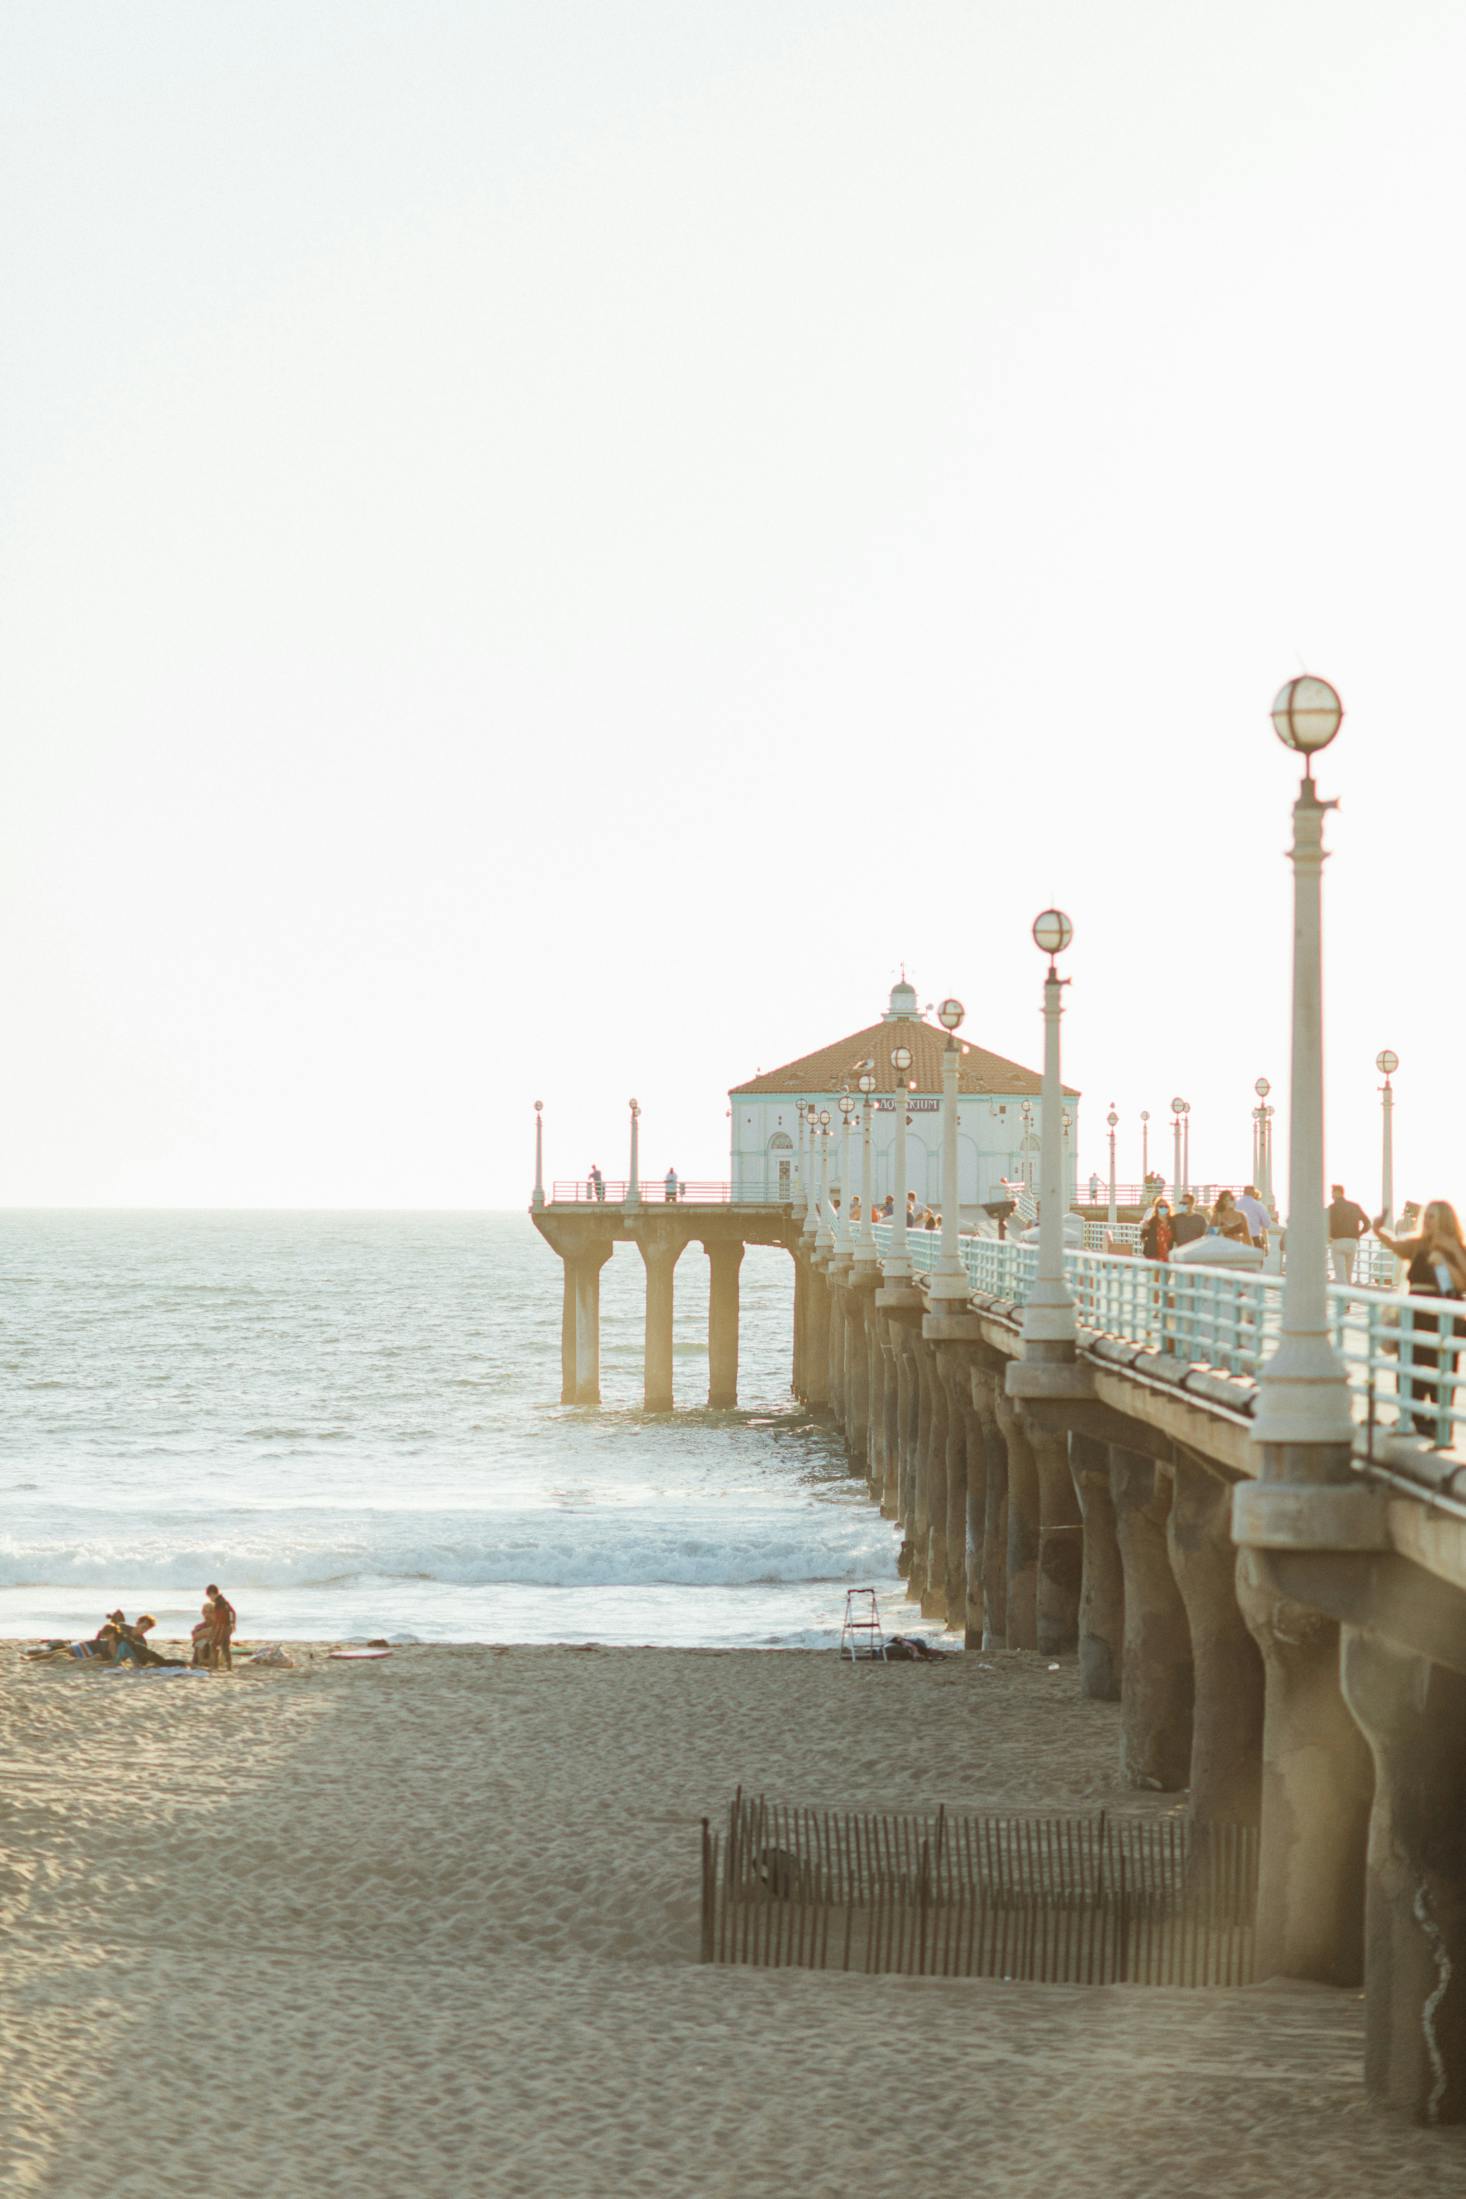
1176,1107
949,1277
898,1262
865,1243
824,1236
842,1224
1303,1418
1387,1063
1264,1142
539,1154
1025,1163
1048,1317
633,1188
811,1188
1144,1148
1112,1119
1184,1108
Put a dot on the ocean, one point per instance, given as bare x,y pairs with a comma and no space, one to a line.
350,1421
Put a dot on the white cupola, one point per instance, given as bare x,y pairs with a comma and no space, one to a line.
903,1007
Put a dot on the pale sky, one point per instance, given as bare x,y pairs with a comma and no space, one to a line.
547,545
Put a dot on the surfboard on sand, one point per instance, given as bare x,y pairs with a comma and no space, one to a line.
358,1656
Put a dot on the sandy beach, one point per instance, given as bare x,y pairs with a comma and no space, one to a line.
429,1926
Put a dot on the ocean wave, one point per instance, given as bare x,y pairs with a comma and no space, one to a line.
551,1560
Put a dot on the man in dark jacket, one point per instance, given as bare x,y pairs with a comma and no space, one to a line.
1347,1224
1187,1225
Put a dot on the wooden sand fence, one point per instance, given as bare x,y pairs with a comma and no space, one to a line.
1056,1899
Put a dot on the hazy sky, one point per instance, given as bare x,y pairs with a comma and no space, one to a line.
548,544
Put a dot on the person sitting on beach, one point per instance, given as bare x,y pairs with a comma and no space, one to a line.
203,1634
55,1652
133,1646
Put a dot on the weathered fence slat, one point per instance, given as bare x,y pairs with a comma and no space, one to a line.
1063,1898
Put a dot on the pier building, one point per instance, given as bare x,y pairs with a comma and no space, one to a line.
999,1113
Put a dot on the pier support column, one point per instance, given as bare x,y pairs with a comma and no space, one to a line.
1317,1787
1156,1675
932,1529
986,1384
857,1365
817,1338
906,1418
1102,1588
725,1258
661,1267
965,1510
952,1359
875,1460
1413,1714
1023,1526
588,1267
567,1331
801,1319
837,1347
1226,1735
1060,1543
891,1402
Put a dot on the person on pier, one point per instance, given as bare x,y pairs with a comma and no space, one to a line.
1437,1269
1156,1234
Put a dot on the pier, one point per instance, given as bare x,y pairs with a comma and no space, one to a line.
1237,1497
584,1228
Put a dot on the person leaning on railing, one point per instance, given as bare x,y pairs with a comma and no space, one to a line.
1437,1269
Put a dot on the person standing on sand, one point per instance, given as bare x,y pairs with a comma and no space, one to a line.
222,1620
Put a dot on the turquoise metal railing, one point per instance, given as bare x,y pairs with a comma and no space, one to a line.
1401,1353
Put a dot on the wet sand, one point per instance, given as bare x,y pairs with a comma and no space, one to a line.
429,1927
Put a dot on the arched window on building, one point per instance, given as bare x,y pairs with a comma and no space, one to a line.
779,1174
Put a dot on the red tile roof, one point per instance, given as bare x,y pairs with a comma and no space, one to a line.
834,1066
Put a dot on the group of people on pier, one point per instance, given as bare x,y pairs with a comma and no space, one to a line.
1240,1216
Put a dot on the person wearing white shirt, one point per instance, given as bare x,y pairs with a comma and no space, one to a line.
1257,1214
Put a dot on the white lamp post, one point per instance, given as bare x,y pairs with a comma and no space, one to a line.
898,1262
1264,1142
865,1243
1144,1148
1387,1063
1176,1187
824,1236
1303,1390
949,1277
1048,1317
1112,1119
633,1188
539,1154
842,1221
811,1187
1183,1108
